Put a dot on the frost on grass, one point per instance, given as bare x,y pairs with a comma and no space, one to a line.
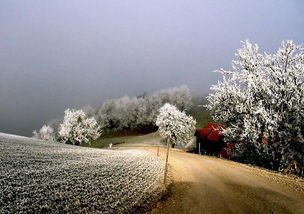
39,177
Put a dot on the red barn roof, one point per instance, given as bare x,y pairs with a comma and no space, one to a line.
211,132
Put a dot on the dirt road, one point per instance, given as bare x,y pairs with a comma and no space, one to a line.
202,184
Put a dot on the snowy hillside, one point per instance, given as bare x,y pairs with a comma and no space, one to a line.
38,176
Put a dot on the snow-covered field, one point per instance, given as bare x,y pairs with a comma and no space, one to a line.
42,177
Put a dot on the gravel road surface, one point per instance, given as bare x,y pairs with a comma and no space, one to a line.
202,184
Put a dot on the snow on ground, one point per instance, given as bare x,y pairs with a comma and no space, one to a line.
48,177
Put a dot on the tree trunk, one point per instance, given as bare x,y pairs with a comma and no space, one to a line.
167,157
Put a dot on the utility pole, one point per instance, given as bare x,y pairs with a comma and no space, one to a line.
199,148
167,157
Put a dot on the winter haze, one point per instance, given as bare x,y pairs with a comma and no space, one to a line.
67,54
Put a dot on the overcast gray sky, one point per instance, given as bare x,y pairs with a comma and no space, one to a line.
67,54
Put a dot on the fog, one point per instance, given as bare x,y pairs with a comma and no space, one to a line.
68,54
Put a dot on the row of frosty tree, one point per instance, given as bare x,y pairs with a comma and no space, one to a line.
261,102
76,128
126,113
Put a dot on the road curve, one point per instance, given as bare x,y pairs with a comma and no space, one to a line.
202,184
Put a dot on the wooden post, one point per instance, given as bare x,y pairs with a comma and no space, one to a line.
167,157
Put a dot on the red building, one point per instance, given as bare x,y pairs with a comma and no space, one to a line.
209,139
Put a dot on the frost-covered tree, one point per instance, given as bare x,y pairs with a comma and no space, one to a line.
106,115
89,111
45,133
134,113
180,96
77,128
176,125
130,113
261,101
